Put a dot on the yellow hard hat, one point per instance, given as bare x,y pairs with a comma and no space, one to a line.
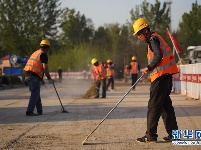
133,58
93,61
140,24
109,60
44,43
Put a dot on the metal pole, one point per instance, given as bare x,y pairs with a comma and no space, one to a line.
169,2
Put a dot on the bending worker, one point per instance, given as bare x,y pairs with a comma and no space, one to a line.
35,68
134,68
161,66
100,75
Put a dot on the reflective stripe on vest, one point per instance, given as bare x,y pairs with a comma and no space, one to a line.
100,70
167,65
134,68
34,64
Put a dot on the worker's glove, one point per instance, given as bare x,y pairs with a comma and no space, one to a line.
51,81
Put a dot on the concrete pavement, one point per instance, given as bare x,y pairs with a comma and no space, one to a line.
67,131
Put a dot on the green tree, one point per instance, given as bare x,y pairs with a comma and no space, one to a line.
189,31
102,39
76,28
24,23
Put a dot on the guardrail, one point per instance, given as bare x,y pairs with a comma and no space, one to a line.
71,75
188,81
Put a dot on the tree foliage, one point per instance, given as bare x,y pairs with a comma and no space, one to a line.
24,23
190,27
76,28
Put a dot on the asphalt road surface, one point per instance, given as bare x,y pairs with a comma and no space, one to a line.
66,131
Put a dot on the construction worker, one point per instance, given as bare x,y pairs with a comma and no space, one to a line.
126,73
100,74
110,74
60,73
161,66
93,78
134,68
35,68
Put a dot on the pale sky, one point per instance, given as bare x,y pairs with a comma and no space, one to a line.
118,11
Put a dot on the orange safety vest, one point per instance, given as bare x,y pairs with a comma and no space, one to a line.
34,64
110,72
100,70
134,68
167,65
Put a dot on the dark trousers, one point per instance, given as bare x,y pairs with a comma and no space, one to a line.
134,79
160,104
110,80
103,84
60,77
35,100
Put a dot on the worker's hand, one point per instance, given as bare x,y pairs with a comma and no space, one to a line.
98,77
145,70
51,81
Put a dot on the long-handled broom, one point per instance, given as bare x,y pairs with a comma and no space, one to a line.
84,142
63,110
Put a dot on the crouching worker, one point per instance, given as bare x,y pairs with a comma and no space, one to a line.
35,68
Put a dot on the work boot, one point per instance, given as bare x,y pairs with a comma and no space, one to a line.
96,96
40,112
167,139
144,139
103,97
31,114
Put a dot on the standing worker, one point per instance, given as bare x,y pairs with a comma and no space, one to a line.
93,78
134,68
126,73
110,74
60,73
35,68
100,75
161,66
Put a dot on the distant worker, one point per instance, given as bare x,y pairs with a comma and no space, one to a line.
100,74
134,68
126,74
35,68
161,66
60,71
93,78
110,74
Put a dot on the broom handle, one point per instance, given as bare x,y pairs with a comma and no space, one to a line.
114,107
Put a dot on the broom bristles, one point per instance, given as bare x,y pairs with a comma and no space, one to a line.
91,92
